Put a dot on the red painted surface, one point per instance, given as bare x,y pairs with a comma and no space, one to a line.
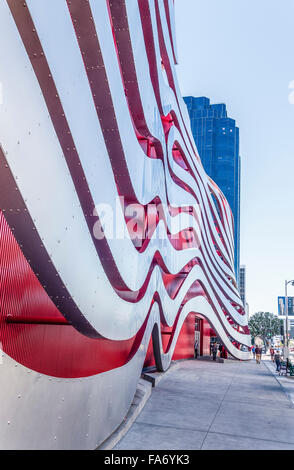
185,344
35,334
206,337
149,360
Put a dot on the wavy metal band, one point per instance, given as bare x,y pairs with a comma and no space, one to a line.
95,136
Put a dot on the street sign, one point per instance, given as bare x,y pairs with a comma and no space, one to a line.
282,305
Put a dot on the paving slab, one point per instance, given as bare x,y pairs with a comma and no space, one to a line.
166,408
206,405
215,441
286,383
149,437
255,420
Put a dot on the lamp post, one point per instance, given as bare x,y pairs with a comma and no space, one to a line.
287,315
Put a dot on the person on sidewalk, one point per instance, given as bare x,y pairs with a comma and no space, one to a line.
277,358
272,353
214,351
224,353
253,351
196,349
220,349
258,354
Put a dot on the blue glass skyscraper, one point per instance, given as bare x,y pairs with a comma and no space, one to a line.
217,139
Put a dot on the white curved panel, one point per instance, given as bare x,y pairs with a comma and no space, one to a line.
119,288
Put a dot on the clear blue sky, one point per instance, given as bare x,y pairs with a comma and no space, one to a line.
242,53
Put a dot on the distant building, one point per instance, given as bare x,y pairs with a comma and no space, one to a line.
217,139
242,284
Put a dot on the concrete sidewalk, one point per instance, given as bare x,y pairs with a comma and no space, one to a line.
286,383
203,405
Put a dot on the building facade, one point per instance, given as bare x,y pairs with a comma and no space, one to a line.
112,253
217,139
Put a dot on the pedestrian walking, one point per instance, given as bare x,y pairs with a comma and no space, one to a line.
258,354
220,349
214,351
253,352
277,359
196,349
224,354
272,353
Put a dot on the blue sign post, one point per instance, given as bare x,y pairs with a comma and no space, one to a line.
282,306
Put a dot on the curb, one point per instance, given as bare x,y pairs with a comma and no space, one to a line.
219,360
155,377
282,381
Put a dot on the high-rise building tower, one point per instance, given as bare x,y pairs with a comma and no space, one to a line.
242,284
217,139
